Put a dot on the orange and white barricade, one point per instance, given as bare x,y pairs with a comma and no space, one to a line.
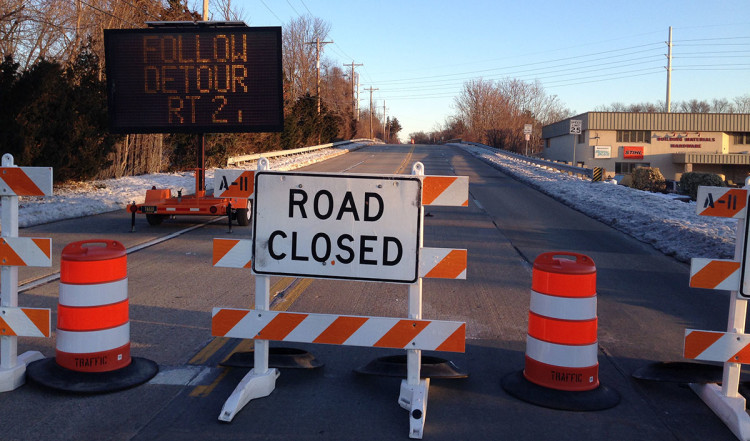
14,252
561,345
731,347
93,323
408,194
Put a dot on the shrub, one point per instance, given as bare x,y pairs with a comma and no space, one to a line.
689,182
648,179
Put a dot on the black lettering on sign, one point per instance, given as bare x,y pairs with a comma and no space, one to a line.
271,251
297,198
368,207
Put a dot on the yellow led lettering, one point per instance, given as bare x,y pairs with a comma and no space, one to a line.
239,73
174,104
151,79
218,55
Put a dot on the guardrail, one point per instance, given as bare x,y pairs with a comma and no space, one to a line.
255,156
577,171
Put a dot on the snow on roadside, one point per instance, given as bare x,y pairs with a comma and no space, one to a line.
670,225
88,198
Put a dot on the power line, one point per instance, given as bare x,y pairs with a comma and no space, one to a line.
108,13
565,59
273,13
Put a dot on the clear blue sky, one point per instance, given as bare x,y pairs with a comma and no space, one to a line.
418,53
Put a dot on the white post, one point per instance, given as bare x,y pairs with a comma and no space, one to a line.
413,394
261,380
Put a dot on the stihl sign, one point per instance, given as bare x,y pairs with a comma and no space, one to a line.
350,226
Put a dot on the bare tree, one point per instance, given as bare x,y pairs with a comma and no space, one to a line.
299,56
742,104
721,105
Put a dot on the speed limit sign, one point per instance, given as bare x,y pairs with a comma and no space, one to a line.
575,126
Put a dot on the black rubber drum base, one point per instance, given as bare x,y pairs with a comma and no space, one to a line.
395,366
685,372
50,374
596,399
278,357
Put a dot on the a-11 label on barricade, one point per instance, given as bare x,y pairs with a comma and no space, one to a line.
359,227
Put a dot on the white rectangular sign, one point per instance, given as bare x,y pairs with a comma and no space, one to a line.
575,126
322,225
602,152
527,128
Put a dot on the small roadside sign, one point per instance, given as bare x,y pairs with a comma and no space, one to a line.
323,225
721,202
576,126
229,183
527,129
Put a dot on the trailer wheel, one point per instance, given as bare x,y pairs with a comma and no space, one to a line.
243,217
155,219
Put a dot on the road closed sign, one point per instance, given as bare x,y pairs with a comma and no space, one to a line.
353,226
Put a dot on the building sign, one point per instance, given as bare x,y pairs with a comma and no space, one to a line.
194,79
602,152
322,225
685,142
630,152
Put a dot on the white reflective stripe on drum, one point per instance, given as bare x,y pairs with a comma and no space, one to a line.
93,295
565,308
93,341
562,355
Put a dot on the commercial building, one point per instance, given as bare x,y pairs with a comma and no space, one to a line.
676,143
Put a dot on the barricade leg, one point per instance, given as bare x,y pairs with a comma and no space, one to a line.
413,397
13,366
261,380
254,385
731,410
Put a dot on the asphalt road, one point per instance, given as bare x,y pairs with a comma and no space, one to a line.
644,305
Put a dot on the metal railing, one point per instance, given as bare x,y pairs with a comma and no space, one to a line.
573,170
255,156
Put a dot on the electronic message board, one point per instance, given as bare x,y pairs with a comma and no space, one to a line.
194,79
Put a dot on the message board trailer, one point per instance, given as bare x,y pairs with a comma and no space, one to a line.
194,77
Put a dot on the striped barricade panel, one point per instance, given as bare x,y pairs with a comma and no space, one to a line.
234,183
722,347
445,190
24,322
25,251
380,332
25,181
715,274
232,253
442,263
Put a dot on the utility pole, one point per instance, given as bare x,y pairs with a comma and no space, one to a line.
385,136
355,102
669,71
317,44
371,90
